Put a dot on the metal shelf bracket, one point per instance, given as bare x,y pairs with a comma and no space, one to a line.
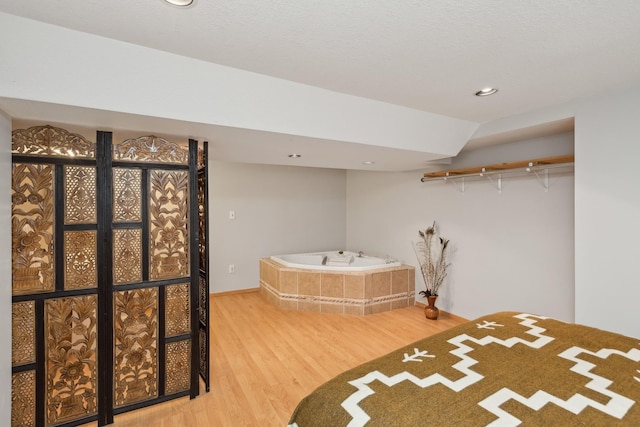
497,183
543,180
455,182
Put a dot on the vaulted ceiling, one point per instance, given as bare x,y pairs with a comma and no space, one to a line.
429,56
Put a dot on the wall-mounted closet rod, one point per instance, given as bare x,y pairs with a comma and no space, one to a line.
557,168
556,163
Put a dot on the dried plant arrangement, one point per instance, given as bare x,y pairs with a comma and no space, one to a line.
431,251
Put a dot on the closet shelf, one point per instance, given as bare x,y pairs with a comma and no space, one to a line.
519,166
547,165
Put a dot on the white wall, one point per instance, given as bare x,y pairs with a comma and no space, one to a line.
509,251
607,200
5,271
279,209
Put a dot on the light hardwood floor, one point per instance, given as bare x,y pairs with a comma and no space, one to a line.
264,360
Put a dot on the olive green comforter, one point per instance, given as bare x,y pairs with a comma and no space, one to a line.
505,369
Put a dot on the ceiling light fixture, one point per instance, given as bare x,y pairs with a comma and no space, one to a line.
486,91
368,162
295,156
181,3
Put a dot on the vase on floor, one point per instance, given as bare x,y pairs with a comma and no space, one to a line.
431,311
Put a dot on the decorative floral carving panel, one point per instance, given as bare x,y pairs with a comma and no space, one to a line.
23,333
202,221
177,310
127,198
151,149
32,215
51,141
80,195
71,358
135,345
178,367
169,218
201,158
23,399
81,259
203,351
127,255
203,298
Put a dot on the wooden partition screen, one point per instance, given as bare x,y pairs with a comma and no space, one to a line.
105,275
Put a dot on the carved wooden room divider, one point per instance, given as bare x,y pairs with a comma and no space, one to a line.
203,253
106,284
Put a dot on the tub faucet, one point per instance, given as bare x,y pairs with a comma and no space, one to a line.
360,254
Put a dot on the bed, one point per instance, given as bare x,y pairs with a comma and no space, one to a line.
504,369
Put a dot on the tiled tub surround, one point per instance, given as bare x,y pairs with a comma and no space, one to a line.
360,292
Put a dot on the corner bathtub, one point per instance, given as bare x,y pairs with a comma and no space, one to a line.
367,285
318,261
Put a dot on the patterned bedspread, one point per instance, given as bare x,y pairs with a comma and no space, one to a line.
505,369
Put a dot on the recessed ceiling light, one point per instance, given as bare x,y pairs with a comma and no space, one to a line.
486,91
181,3
295,156
368,162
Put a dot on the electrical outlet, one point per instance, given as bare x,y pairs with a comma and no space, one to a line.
232,268
232,214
